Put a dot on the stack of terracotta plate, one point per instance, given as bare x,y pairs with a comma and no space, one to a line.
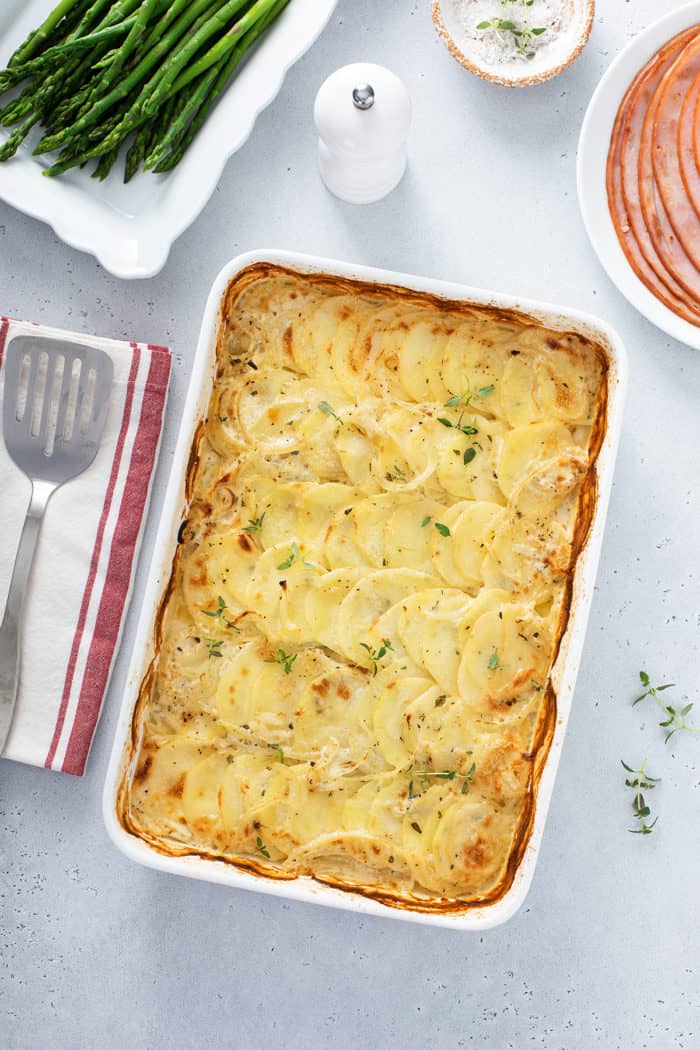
653,174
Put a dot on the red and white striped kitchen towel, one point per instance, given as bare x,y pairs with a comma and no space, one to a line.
85,561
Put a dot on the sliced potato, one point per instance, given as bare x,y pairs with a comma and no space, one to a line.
472,535
389,715
525,447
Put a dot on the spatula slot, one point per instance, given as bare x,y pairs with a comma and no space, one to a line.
88,401
69,422
54,404
38,393
25,369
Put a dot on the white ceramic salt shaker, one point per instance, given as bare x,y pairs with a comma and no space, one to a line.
362,114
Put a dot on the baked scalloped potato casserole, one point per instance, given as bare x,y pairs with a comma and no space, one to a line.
386,502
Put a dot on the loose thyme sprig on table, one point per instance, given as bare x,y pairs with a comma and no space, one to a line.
641,781
674,720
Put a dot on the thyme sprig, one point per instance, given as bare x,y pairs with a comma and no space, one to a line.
495,661
522,35
468,396
328,410
468,429
218,613
423,777
286,660
262,848
375,655
641,781
255,524
214,646
293,555
674,720
397,475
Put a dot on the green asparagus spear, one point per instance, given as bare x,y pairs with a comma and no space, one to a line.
107,162
146,13
9,148
70,48
135,77
180,147
36,40
133,118
166,76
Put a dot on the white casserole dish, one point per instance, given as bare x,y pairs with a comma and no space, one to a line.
564,670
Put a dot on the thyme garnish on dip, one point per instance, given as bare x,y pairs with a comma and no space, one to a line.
504,31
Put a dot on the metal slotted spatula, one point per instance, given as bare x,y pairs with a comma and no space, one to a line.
54,411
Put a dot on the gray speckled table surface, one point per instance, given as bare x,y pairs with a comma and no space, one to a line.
97,952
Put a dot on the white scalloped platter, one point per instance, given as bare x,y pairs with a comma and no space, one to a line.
131,228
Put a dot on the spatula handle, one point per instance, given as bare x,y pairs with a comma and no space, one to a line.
10,627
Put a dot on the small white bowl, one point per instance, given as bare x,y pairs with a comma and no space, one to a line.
549,60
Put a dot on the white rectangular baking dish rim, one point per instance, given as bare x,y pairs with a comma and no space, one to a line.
563,673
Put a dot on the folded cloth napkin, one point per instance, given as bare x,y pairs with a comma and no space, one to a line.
84,564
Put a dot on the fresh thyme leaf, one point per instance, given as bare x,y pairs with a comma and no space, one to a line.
640,781
456,400
262,848
442,529
398,474
424,775
521,34
328,410
254,524
674,721
495,661
426,521
213,646
445,422
286,660
469,455
288,562
375,655
485,391
468,777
